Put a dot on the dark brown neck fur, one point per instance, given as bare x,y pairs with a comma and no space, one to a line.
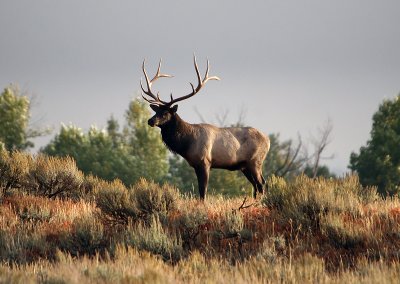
177,135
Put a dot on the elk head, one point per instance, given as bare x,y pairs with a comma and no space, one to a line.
165,111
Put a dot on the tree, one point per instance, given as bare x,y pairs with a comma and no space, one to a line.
321,171
284,159
15,130
146,146
378,163
320,143
95,152
136,151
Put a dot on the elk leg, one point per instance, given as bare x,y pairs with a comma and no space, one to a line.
264,182
202,174
247,173
257,179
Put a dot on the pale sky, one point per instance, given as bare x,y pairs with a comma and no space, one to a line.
290,64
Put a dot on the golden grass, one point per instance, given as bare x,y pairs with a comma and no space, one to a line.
304,231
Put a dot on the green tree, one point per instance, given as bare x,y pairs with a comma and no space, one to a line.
146,146
378,163
136,151
14,120
95,152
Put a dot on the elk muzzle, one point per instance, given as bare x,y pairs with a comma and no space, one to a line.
151,122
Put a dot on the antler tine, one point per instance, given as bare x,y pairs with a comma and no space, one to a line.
206,78
200,84
159,74
196,67
156,98
208,69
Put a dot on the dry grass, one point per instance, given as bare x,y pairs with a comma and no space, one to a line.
319,231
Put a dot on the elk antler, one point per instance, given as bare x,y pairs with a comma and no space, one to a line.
156,99
200,84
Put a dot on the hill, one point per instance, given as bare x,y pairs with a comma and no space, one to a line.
60,226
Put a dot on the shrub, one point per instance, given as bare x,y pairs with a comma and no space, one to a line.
231,229
23,245
151,198
154,239
14,169
116,202
87,237
339,235
306,200
271,248
189,223
51,176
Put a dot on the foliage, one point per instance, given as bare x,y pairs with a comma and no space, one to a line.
14,119
302,230
154,239
15,130
136,151
307,200
322,171
152,199
52,177
146,146
141,202
284,159
116,202
87,237
96,152
378,163
14,169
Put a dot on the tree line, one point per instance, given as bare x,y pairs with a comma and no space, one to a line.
134,150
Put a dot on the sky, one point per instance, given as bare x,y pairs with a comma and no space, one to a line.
289,66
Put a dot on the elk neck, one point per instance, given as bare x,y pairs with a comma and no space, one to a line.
177,135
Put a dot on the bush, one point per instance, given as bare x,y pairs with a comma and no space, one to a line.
306,200
189,223
87,237
140,202
154,239
341,236
116,202
52,177
14,169
153,199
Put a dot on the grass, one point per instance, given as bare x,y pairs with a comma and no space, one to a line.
319,231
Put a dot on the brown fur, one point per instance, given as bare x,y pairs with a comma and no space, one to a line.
205,146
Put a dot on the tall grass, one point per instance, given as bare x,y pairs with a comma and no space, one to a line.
57,225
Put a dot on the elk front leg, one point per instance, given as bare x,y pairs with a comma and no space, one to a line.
202,173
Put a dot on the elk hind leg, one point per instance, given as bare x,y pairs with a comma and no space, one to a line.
250,177
257,179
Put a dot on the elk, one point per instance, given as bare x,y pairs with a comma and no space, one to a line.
205,146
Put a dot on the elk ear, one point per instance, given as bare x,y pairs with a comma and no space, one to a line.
155,108
174,108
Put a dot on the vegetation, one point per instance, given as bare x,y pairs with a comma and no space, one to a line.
378,163
97,207
15,128
91,230
136,151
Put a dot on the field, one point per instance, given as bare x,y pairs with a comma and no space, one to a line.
60,226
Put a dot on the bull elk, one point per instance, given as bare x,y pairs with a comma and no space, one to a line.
205,146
